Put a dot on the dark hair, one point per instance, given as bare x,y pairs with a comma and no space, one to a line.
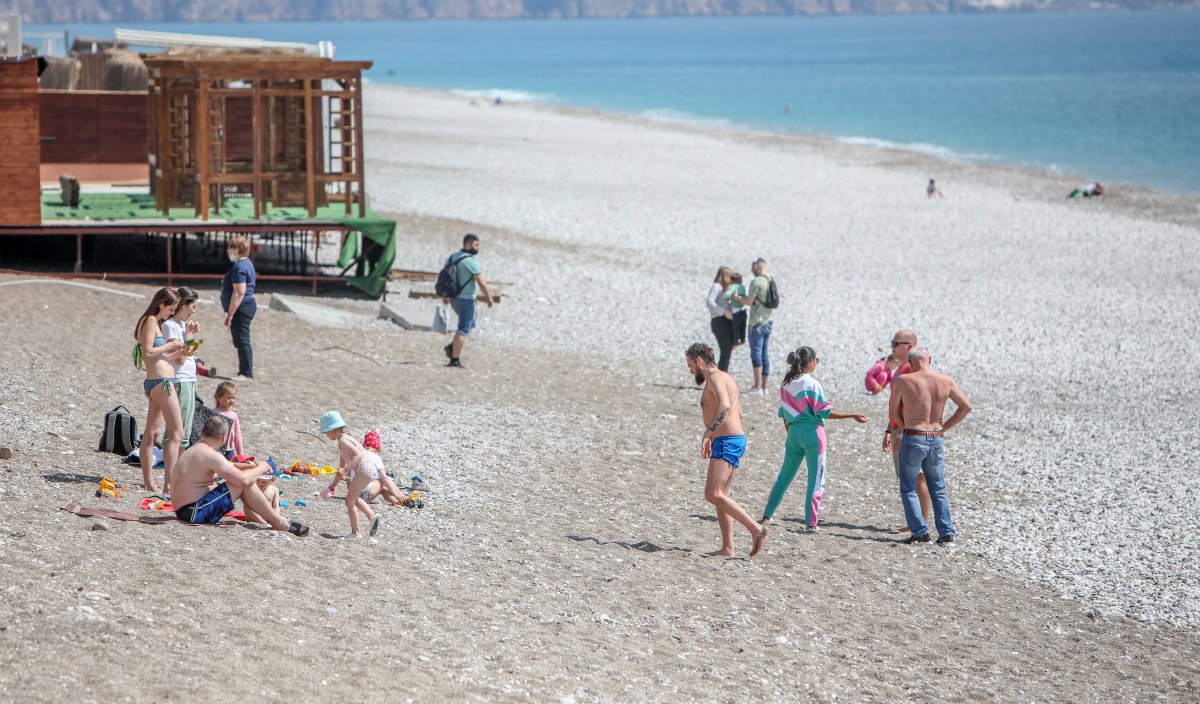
736,278
798,361
215,427
702,352
187,295
164,296
468,239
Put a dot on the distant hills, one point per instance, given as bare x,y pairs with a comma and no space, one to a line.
51,11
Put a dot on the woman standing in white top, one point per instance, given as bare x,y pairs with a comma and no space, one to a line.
722,316
180,326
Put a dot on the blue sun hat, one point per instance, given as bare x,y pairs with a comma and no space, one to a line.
332,421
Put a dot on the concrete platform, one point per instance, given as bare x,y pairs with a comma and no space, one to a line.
317,314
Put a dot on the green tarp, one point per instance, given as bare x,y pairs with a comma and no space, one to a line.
378,263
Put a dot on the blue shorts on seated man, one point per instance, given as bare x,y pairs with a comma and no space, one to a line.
209,509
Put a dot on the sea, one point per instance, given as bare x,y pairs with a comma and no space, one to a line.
1107,96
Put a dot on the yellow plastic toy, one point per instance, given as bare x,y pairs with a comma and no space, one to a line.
328,470
108,487
190,347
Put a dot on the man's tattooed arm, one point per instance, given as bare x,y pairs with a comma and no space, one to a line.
717,423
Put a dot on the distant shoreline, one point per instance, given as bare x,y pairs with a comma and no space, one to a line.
1133,199
107,11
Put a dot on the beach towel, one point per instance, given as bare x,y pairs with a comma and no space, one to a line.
147,504
138,517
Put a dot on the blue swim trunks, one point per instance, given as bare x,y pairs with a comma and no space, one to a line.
729,448
209,509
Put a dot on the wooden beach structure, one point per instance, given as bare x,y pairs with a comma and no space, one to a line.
266,143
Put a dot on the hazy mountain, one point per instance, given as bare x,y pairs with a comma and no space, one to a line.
49,11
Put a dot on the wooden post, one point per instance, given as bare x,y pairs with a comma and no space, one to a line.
78,253
359,160
203,149
169,272
316,269
309,186
256,159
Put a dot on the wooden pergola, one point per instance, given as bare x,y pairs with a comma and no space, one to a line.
281,129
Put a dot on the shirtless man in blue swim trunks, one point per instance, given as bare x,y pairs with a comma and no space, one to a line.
723,445
199,498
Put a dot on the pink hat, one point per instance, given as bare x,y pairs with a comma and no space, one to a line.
372,441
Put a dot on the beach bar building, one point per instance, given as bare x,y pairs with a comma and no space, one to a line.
224,141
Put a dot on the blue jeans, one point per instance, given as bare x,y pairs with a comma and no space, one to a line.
464,308
760,335
240,327
919,453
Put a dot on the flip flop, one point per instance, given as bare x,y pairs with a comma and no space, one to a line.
759,541
298,529
375,526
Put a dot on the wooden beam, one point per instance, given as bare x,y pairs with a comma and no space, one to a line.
256,125
359,161
309,186
202,151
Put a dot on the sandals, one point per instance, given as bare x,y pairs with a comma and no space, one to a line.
298,529
374,526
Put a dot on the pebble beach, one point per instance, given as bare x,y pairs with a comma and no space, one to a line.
558,558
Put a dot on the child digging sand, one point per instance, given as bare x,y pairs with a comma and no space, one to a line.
385,487
364,469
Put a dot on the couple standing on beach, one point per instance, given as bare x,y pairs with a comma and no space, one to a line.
742,313
917,407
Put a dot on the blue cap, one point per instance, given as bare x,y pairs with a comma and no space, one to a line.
332,421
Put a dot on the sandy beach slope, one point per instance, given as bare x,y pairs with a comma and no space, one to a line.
558,559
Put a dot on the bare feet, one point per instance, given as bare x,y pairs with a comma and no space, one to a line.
759,541
723,552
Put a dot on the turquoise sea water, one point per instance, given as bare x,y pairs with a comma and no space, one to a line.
1108,96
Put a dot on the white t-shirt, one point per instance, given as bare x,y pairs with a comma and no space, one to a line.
173,330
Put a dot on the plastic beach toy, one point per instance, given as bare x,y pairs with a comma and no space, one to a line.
301,502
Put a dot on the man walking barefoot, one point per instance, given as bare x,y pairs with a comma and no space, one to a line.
723,445
918,402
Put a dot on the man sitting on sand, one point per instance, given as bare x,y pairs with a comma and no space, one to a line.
923,393
199,498
723,445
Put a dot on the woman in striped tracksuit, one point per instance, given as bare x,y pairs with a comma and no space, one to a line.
804,409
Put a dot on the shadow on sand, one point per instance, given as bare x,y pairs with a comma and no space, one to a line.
641,545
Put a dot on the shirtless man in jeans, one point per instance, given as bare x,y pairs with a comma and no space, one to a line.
200,499
918,402
723,445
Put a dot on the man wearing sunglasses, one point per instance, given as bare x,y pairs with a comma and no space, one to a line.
902,342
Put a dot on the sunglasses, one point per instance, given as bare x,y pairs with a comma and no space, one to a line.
897,343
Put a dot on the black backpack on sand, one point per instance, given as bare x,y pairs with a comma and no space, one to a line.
447,285
120,432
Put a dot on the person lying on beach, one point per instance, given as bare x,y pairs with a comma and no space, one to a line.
723,445
201,498
364,467
265,484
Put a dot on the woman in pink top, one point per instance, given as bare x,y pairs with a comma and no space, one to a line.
879,376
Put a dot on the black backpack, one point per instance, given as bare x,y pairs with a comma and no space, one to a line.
201,416
772,299
120,432
448,285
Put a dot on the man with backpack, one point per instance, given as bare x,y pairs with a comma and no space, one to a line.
457,284
762,297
